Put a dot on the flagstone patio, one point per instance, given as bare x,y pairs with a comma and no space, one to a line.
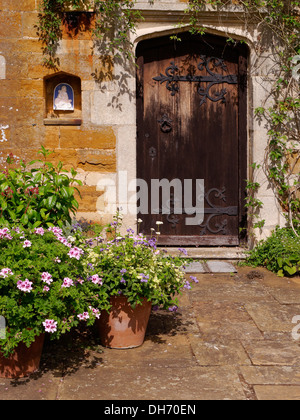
233,338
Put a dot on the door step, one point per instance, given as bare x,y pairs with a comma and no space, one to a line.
197,267
233,254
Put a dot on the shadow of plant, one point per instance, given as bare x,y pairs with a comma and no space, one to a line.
78,349
163,323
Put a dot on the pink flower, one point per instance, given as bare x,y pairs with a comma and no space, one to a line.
63,241
46,289
25,286
5,272
55,230
50,325
27,244
96,312
67,282
75,253
39,231
47,278
84,316
96,279
5,234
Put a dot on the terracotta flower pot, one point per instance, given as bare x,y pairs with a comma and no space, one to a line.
24,361
124,327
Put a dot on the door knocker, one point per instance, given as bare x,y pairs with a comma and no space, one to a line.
165,124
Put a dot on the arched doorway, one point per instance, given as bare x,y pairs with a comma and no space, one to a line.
192,139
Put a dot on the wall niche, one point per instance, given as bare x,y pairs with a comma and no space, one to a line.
63,99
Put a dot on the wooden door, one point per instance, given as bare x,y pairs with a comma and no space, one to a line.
191,125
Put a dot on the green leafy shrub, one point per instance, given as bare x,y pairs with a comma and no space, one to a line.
42,196
43,287
279,253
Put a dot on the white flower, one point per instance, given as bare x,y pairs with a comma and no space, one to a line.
159,223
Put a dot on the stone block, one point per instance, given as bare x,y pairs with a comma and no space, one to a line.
277,392
272,317
37,71
51,138
273,352
97,160
21,88
80,138
17,65
20,5
10,25
68,157
88,198
221,267
29,21
26,136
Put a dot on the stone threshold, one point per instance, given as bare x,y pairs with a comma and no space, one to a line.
212,253
197,267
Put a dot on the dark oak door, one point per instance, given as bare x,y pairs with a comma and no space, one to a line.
191,126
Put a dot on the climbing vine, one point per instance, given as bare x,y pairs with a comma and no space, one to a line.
278,30
114,21
277,23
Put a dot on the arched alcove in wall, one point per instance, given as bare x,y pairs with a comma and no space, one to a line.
63,99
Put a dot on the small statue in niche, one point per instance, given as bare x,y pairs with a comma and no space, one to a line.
63,98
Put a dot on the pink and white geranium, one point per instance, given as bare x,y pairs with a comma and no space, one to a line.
39,231
5,234
67,282
25,286
96,279
46,277
84,316
5,272
75,253
55,230
96,312
27,244
50,326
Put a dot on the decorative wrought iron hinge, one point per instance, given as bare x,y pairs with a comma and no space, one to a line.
172,79
214,210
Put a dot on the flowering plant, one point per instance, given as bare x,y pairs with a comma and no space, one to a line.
131,265
37,196
42,286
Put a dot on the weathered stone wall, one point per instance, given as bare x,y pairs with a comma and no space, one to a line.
90,147
102,145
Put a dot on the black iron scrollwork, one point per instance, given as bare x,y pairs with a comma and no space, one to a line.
214,210
172,78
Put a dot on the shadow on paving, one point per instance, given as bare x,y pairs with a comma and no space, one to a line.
82,347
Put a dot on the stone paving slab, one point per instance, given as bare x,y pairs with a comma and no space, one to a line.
277,392
273,353
230,339
271,375
144,383
273,316
220,267
197,267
